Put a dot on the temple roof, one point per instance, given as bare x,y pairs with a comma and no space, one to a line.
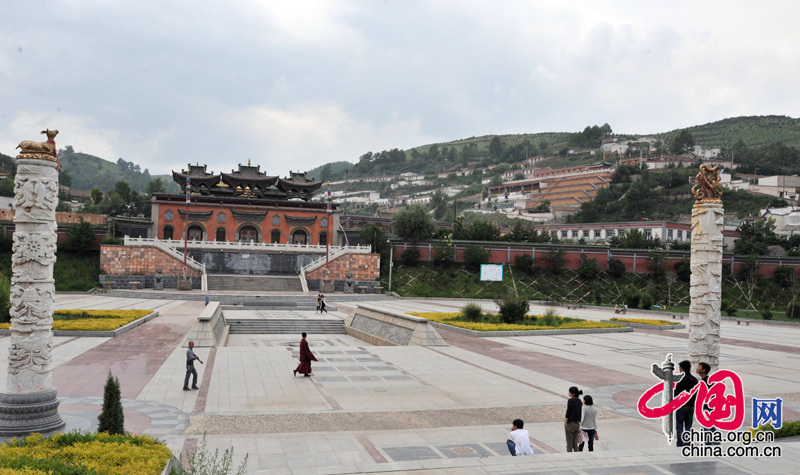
248,176
298,183
198,176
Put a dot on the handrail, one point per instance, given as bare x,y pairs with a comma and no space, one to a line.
165,247
231,245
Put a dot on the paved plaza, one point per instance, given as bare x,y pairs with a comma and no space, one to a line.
443,409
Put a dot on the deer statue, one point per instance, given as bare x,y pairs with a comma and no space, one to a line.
48,148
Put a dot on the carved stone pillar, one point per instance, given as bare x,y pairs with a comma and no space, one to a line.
706,264
29,403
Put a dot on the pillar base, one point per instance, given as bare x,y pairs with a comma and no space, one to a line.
23,414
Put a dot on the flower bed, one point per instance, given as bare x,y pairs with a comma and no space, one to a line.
531,322
92,453
645,321
92,320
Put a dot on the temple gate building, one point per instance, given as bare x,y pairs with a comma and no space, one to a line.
246,205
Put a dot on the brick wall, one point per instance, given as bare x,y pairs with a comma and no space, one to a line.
122,260
363,266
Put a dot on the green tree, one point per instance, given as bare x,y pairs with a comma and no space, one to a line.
496,148
111,418
155,185
325,173
657,259
482,230
555,260
683,142
438,204
474,256
413,223
97,195
756,237
634,239
80,236
616,268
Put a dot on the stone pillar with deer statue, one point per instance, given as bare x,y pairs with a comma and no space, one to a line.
29,403
706,264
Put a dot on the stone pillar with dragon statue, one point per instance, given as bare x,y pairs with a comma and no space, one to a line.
28,402
706,264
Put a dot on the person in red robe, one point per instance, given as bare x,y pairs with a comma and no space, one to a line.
306,357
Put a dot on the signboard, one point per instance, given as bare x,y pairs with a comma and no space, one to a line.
492,272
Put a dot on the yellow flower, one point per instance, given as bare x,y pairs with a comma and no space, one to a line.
644,321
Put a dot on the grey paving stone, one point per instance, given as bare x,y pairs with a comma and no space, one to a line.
701,468
463,450
412,452
382,368
396,377
369,360
332,379
630,469
500,448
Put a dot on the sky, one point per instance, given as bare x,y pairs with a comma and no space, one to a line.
294,85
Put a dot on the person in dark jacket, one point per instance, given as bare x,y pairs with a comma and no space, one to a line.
572,419
684,416
306,357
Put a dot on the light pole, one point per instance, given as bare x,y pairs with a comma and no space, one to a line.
186,224
391,255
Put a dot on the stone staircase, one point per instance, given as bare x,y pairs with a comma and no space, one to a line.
254,283
286,326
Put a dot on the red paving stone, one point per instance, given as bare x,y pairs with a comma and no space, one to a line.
133,357
580,373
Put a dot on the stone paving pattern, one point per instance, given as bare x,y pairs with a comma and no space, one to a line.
424,410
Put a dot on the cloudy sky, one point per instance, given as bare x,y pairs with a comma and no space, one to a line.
292,85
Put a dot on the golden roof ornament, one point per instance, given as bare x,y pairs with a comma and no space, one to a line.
40,150
707,187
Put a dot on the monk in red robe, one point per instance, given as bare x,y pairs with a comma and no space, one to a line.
306,357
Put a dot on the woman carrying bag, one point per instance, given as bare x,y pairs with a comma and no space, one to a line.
588,423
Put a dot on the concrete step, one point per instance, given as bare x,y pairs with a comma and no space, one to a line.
254,283
283,326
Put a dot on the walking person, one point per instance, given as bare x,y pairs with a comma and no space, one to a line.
572,419
190,357
588,422
519,442
306,357
322,304
684,416
703,370
319,303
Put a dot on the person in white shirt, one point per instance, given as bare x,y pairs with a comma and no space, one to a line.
588,422
519,442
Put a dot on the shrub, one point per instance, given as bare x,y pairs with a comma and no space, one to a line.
442,255
410,256
783,276
646,301
766,314
731,311
788,429
723,306
616,268
549,318
474,256
588,268
115,241
524,262
632,297
80,236
684,270
5,298
111,418
200,462
793,309
513,309
472,312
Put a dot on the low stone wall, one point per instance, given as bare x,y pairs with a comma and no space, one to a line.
142,261
654,326
570,331
210,330
145,281
364,267
368,286
382,327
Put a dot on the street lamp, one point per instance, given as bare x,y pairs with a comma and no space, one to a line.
391,255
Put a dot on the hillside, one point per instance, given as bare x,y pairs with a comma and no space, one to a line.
87,171
754,131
